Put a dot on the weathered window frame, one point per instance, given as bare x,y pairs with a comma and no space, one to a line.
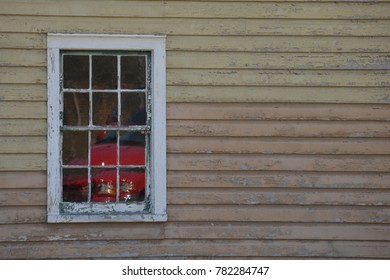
155,206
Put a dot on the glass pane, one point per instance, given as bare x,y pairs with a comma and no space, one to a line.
76,108
133,108
132,185
104,151
75,185
76,71
133,72
75,148
132,148
103,184
105,108
104,72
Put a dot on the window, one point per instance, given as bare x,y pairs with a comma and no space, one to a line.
106,128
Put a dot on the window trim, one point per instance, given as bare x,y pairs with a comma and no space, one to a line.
57,42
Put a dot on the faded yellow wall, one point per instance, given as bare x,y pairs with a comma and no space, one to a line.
278,129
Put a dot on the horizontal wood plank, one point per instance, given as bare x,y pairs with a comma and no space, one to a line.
254,145
221,196
23,127
249,60
271,44
200,9
23,145
23,110
180,26
23,75
248,94
277,180
22,162
231,60
22,57
205,249
253,162
316,78
222,128
255,213
277,111
22,180
22,215
187,231
23,197
23,92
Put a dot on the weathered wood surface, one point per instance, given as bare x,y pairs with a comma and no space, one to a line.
183,26
281,111
272,44
231,196
277,179
254,128
194,248
232,60
23,127
22,180
269,44
314,78
250,94
21,144
255,145
23,92
239,213
278,129
199,9
185,231
23,110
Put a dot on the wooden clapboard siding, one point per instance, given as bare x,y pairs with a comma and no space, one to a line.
199,9
273,44
200,230
278,123
248,94
278,179
191,26
22,180
195,248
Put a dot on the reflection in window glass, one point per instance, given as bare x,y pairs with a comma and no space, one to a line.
133,73
133,108
105,108
75,148
76,71
132,185
76,108
75,185
103,184
104,72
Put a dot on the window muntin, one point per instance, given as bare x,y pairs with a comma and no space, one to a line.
81,99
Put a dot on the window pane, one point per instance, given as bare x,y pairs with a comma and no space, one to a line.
133,108
133,73
75,148
76,71
104,72
105,108
75,185
103,184
132,148
104,151
132,185
76,108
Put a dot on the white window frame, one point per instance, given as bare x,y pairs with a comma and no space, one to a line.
155,44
